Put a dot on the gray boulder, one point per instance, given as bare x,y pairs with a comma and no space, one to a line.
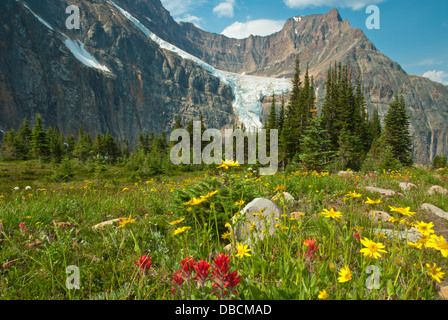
256,220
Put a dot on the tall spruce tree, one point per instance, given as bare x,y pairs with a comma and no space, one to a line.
397,131
39,140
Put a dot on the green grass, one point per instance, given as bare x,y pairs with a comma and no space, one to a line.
276,269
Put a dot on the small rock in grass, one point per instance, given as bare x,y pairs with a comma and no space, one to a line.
379,215
256,220
407,186
286,195
409,235
384,192
443,293
437,211
437,189
344,173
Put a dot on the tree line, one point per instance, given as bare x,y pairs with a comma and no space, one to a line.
343,135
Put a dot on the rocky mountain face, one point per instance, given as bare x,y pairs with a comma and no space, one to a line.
322,40
135,85
146,87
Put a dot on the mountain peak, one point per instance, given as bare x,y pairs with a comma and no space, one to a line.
333,14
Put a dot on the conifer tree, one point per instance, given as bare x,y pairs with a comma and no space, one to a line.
83,147
39,140
397,131
281,116
315,154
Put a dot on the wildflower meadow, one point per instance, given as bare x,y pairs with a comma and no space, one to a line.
174,237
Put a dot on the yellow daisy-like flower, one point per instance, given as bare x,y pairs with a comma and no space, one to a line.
403,211
417,245
354,195
380,235
242,250
435,272
345,275
323,295
372,248
195,201
240,203
251,228
124,223
226,235
280,187
176,221
394,220
331,214
227,225
228,163
439,244
180,230
424,228
370,201
210,194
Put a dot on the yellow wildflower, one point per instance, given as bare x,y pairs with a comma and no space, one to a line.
228,163
124,223
372,248
354,195
176,221
331,214
195,201
242,250
403,211
240,203
424,228
435,272
323,295
345,275
180,230
370,201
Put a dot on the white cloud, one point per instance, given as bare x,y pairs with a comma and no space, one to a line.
353,4
190,18
225,9
179,7
261,27
437,76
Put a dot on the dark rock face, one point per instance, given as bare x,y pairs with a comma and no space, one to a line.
145,91
147,87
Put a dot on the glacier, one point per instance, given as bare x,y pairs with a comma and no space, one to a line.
248,90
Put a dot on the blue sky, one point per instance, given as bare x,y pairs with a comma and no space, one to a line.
413,33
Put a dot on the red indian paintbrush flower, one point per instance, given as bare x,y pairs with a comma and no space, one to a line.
202,271
221,267
188,265
144,263
311,249
177,278
232,280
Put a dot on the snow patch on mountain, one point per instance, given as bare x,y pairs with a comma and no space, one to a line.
297,19
248,90
77,49
38,18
